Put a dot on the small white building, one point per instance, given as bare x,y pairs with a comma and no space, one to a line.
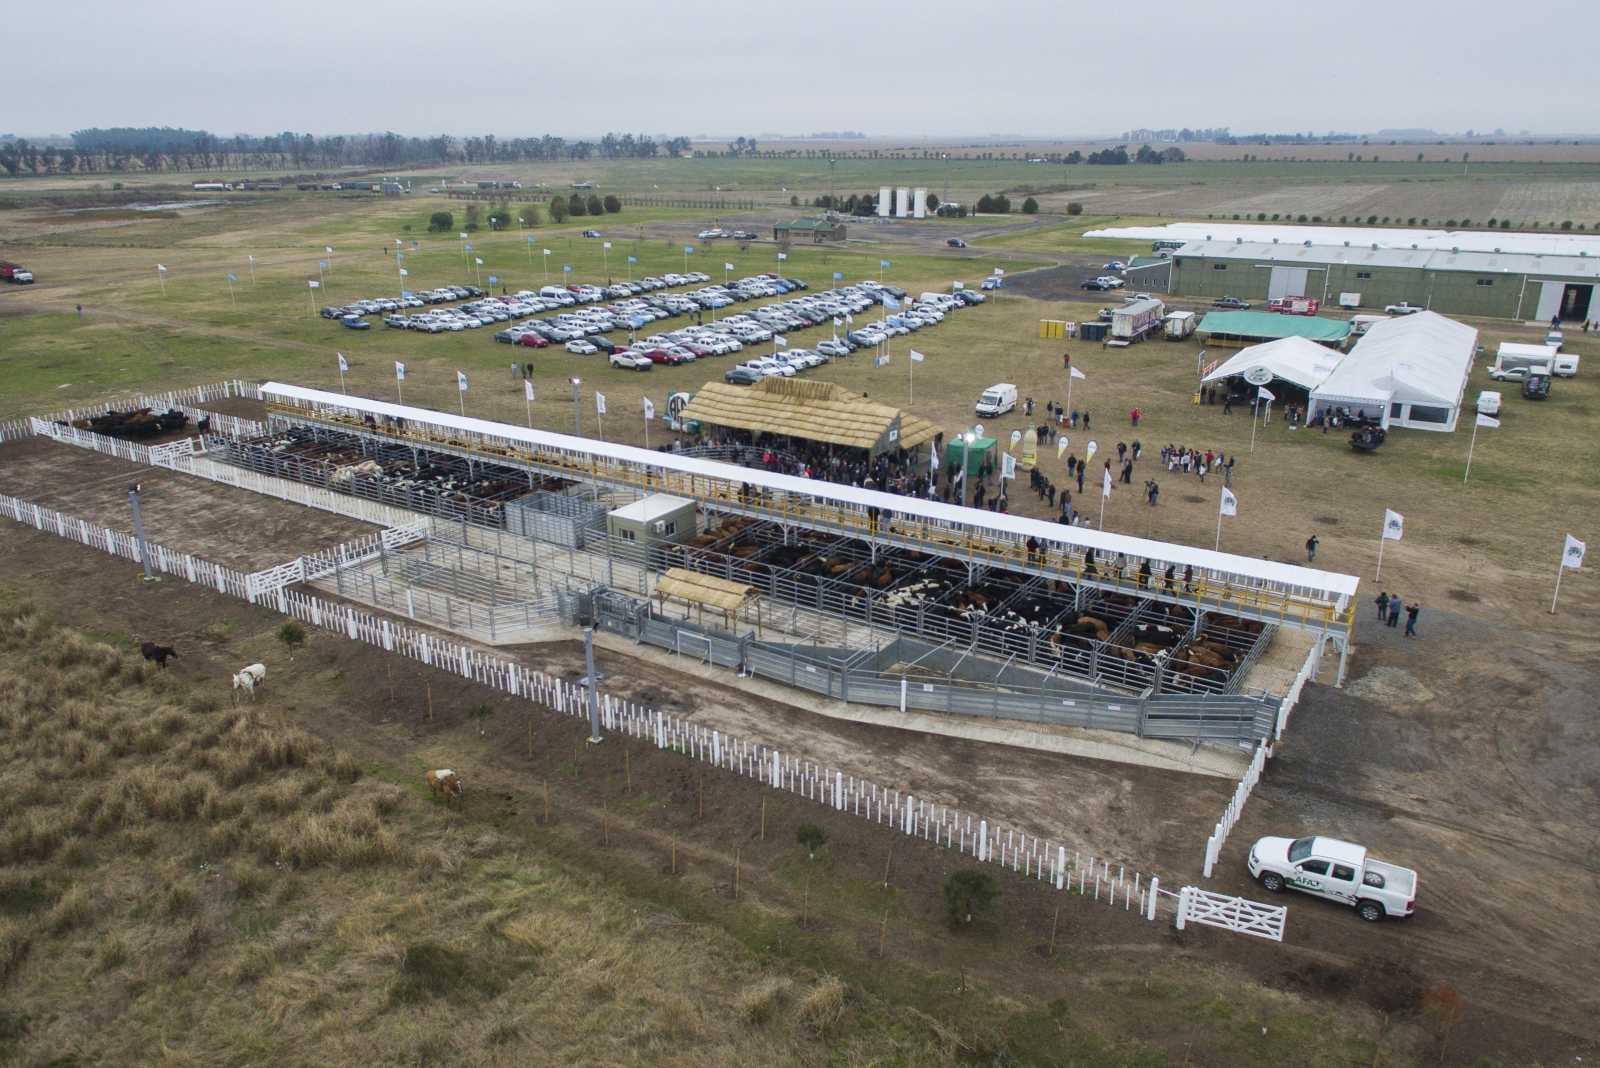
652,520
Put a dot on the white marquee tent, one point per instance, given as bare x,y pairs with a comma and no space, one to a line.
1412,369
1293,359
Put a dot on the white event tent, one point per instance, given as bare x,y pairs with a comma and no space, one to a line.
1293,359
1413,370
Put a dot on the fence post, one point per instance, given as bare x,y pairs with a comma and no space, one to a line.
983,839
1150,908
1183,906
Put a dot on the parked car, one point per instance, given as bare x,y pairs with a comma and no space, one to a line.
1115,265
1402,309
604,344
581,348
741,376
1338,871
533,341
956,242
629,361
1090,283
1230,304
591,233
355,322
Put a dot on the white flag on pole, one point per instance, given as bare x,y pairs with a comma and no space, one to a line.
1394,524
1572,554
1266,394
1008,466
1076,373
649,409
545,251
838,322
727,266
1487,420
461,381
463,236
933,458
161,267
847,316
527,389
782,256
478,260
313,283
600,403
344,364
1105,483
328,249
1230,503
605,245
404,273
399,371
780,341
916,357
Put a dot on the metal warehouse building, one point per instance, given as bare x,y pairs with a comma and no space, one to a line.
1495,284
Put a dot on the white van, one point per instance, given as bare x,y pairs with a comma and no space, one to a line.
1565,364
1488,402
998,399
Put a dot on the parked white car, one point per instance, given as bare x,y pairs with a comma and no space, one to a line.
581,348
1339,871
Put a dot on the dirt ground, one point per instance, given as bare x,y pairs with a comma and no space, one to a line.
239,529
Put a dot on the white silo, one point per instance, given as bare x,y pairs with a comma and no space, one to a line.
885,206
919,204
902,202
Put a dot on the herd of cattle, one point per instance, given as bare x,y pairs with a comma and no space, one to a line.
136,423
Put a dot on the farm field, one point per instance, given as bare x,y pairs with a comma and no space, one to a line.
1399,755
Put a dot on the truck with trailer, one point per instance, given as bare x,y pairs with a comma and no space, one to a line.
15,273
1338,871
1513,362
1137,318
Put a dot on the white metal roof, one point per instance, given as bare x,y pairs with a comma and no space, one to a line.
1554,244
1294,359
1538,352
653,507
1329,584
1422,358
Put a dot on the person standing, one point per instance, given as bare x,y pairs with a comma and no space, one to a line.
1412,611
1382,601
1394,609
1311,549
1086,419
1066,362
1080,476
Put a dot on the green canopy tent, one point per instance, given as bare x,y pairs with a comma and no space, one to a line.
980,450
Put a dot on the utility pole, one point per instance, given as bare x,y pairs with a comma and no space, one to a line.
138,532
591,682
577,409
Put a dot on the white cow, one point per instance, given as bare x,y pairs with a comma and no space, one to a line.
247,679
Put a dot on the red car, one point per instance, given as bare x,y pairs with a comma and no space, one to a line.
533,341
672,359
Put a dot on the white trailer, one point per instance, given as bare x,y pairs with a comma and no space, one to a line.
1514,362
1137,318
1180,324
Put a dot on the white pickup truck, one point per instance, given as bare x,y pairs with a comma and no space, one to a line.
1338,871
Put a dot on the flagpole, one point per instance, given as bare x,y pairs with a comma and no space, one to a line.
252,270
911,381
1102,511
647,431
1470,445
1252,429
1219,529
400,389
530,409
1560,567
1379,573
342,388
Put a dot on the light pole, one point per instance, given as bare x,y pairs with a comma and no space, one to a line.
591,683
577,409
138,532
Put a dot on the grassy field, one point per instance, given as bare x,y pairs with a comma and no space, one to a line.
135,333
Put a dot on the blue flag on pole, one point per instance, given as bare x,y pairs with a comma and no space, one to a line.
838,276
232,277
687,249
530,239
633,259
323,264
566,268
406,293
493,279
469,246
885,264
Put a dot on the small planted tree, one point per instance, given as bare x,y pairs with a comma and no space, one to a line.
1076,208
474,217
613,204
441,222
1441,1005
481,712
576,205
558,210
530,215
810,836
594,204
968,894
293,636
1030,207
933,201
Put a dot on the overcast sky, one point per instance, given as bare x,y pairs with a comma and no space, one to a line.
928,68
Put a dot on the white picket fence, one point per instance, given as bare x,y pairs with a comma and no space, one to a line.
1258,760
187,400
1026,855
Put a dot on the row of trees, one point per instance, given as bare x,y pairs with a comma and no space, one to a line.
506,216
170,148
1386,220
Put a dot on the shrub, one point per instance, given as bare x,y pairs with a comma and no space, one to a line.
1261,216
441,222
759,1003
1372,220
594,205
576,206
529,214
933,202
810,836
823,1005
1075,208
1567,225
1300,218
612,204
1274,216
292,635
968,893
1030,207
794,201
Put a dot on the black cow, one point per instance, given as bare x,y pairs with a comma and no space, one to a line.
158,653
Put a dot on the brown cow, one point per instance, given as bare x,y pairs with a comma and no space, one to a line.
447,784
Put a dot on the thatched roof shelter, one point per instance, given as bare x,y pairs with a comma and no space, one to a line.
812,411
704,591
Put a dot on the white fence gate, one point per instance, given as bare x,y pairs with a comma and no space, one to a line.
1230,913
